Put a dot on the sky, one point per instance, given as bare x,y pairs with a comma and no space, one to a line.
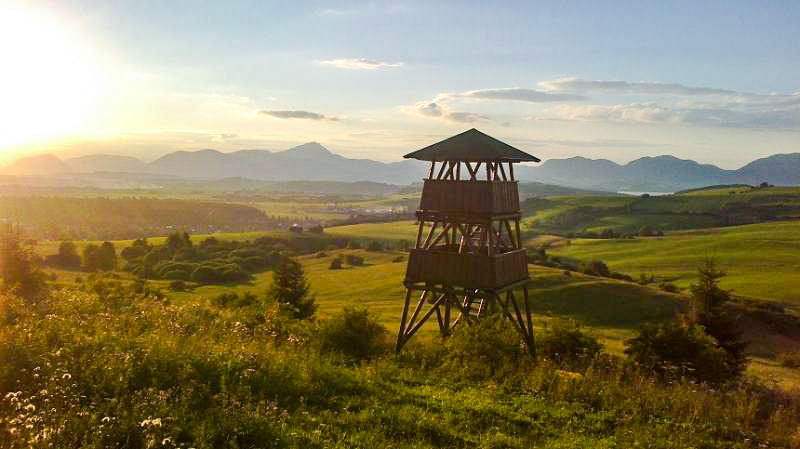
713,81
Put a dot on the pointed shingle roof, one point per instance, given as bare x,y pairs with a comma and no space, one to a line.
471,145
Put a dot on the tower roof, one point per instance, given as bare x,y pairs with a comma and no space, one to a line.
471,145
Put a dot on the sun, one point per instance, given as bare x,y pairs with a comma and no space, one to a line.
49,79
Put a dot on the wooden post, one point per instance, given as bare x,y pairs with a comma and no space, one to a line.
401,334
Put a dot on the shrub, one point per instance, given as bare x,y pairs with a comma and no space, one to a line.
19,268
374,246
488,349
789,359
203,275
352,244
673,350
354,333
596,268
336,263
320,255
177,286
563,342
233,299
354,260
668,287
398,259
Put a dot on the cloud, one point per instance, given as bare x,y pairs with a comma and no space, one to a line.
224,137
305,115
729,116
631,87
439,110
360,64
438,107
520,94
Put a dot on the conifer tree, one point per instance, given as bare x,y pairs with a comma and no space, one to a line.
291,289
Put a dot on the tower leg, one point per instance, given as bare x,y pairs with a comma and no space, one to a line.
401,333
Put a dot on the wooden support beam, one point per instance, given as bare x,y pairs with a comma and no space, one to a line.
472,173
419,234
511,171
529,319
418,308
433,166
425,317
519,234
441,170
401,333
430,235
514,242
502,171
458,171
444,233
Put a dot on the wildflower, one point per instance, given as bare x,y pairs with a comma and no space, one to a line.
30,408
67,376
105,419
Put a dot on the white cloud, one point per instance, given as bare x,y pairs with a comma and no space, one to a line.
304,115
630,87
224,137
740,115
519,94
439,110
360,64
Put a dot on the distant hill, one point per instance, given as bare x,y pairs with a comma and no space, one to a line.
314,162
661,173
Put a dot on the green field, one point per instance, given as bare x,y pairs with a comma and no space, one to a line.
761,260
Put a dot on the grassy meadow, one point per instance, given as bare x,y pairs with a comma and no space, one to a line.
761,259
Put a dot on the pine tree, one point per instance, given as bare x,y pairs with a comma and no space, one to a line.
709,311
291,289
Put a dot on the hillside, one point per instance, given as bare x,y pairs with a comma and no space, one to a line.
761,259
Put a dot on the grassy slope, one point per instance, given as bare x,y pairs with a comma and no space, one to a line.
761,260
612,309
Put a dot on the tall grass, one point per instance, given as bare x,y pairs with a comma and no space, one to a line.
138,371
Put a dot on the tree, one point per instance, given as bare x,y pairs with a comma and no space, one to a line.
67,256
91,258
19,268
108,257
138,248
709,311
291,289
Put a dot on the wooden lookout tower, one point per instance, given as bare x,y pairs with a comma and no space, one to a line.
468,260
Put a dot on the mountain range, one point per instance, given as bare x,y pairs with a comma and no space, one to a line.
314,162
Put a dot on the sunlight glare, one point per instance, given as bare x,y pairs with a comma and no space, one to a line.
49,82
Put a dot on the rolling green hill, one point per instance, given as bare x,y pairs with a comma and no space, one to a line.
761,259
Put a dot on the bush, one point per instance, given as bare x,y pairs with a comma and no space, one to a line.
488,349
398,259
564,343
354,260
596,268
352,244
354,333
375,246
320,255
789,359
673,350
669,287
233,299
177,286
336,263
